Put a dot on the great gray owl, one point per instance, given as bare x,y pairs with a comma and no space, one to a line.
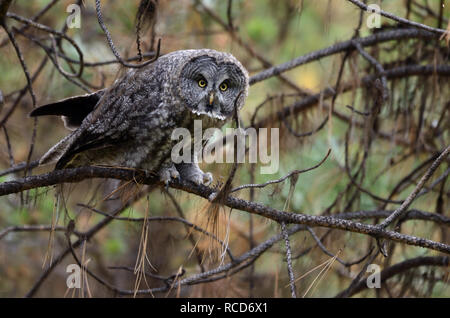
130,124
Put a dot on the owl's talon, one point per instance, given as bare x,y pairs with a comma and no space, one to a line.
174,173
207,178
191,172
213,196
168,174
202,178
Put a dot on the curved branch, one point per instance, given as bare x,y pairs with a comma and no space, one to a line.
340,47
402,267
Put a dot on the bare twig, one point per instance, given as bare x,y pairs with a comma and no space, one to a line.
289,259
398,19
290,174
401,209
113,47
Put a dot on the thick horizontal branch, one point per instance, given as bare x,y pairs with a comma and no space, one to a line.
79,174
332,222
69,176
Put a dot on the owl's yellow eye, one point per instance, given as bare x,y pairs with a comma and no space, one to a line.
223,87
202,83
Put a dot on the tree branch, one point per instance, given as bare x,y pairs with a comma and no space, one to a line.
79,174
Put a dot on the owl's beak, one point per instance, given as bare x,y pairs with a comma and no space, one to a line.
211,98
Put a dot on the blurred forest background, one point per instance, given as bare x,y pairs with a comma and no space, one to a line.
390,144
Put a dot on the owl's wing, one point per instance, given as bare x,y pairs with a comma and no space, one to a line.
78,141
96,132
73,109
83,141
121,112
93,134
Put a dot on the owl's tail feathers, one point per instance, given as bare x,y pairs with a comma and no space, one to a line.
57,151
73,109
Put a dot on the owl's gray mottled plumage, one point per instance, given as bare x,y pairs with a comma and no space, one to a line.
130,124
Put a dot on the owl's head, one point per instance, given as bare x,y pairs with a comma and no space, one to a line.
212,83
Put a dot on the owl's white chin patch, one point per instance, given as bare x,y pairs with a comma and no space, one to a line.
209,114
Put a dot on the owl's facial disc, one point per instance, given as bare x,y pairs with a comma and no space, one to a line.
210,89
